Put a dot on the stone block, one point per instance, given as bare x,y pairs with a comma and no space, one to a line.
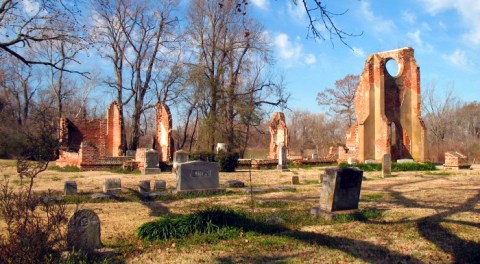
197,175
295,179
386,165
159,186
370,161
83,231
179,157
70,188
112,185
405,161
340,189
144,187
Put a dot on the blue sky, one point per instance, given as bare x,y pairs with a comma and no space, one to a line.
444,33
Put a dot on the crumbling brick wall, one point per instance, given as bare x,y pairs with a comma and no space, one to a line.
278,134
163,135
388,110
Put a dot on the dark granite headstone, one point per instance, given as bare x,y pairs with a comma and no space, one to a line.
144,187
340,189
83,231
160,185
113,185
197,175
70,188
152,158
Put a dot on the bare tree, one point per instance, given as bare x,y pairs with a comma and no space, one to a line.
228,45
24,23
340,99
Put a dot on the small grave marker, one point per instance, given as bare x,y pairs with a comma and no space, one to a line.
70,188
112,185
340,191
83,231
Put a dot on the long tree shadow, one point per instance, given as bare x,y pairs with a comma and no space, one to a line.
430,227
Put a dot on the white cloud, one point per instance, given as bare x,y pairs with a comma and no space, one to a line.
287,49
415,38
310,59
378,23
297,12
359,52
409,17
30,7
262,4
469,10
458,58
442,25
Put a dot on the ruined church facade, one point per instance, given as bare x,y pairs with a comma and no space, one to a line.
388,111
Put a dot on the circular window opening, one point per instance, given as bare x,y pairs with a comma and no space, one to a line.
392,67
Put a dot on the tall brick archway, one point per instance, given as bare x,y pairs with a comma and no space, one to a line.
163,132
388,110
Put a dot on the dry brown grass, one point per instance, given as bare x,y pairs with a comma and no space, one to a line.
427,218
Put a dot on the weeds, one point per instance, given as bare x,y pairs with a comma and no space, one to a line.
396,167
65,169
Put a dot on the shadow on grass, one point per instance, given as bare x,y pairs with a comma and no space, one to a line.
430,228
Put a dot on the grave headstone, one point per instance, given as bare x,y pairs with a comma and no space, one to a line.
144,187
295,179
282,157
152,158
340,191
83,231
370,161
130,153
197,176
160,185
112,185
314,156
221,147
70,188
179,157
386,165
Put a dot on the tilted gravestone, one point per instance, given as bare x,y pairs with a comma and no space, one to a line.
144,187
197,176
113,185
70,188
282,157
340,191
179,157
83,231
159,185
386,165
152,165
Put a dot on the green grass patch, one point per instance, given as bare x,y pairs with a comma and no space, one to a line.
396,167
372,197
271,204
438,173
361,216
56,178
311,182
65,169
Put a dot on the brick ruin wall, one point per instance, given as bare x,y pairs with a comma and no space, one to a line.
163,135
114,137
278,134
387,110
83,142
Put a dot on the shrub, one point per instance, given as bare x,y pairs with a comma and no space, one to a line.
227,161
410,166
203,155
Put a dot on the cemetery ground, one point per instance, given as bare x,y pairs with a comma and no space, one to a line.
410,217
